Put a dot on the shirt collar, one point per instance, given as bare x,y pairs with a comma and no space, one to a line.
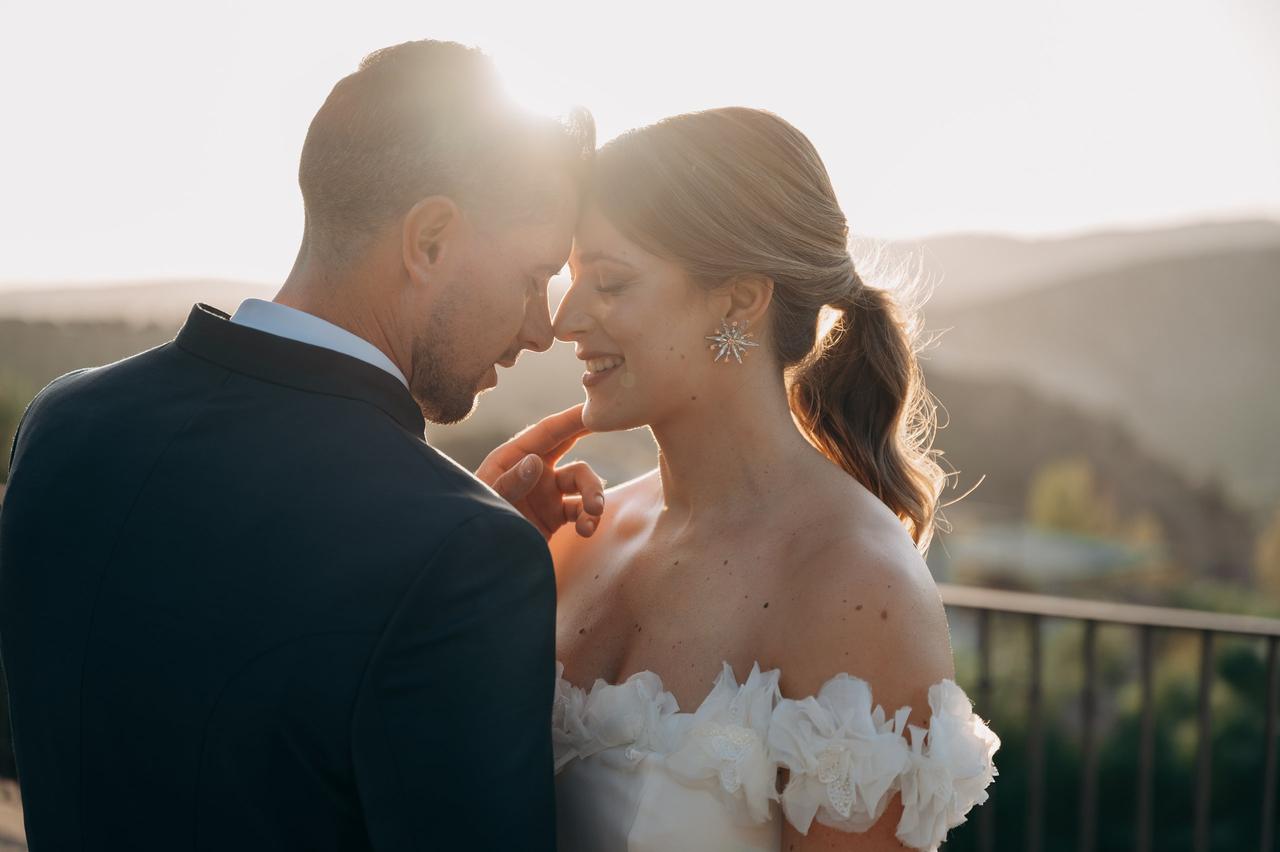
284,321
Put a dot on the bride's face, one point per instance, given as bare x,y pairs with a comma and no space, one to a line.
640,325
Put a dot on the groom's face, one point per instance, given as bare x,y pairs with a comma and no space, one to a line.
490,305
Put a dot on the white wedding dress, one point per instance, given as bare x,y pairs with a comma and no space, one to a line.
633,774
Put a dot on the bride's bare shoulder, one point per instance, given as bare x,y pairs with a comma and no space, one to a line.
861,601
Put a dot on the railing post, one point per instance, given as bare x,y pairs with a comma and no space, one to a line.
986,814
1088,733
1035,743
1204,750
1146,744
1269,749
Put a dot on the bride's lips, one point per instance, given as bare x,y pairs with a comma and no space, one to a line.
605,364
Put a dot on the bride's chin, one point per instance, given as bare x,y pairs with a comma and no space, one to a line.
599,418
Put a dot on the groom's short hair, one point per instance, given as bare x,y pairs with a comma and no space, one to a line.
429,118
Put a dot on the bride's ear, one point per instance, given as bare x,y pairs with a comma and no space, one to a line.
431,227
749,298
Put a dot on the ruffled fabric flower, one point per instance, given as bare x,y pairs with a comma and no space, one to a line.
637,713
952,764
844,758
569,734
725,747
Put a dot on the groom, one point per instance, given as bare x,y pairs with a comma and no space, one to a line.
243,604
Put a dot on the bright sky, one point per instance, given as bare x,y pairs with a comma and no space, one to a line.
161,138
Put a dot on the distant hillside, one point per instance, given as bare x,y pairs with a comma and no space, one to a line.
968,268
1002,433
1182,350
965,267
1167,329
137,303
32,354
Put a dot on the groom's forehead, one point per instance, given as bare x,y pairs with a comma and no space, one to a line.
546,242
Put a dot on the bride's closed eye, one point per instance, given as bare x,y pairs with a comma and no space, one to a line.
607,286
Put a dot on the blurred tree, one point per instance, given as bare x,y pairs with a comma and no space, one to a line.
1065,496
1267,557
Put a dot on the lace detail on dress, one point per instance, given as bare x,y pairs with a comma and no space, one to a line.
727,742
845,756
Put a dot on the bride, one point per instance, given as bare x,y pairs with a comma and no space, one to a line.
753,653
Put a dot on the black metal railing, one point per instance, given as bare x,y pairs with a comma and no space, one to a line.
1146,621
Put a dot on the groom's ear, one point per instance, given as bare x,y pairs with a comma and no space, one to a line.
431,229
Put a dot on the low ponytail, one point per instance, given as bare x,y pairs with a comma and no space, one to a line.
860,398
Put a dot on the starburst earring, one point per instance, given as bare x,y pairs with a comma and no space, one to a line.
732,340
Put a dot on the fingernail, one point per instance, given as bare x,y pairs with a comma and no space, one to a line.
528,467
598,502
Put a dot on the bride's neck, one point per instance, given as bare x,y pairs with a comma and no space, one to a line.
725,453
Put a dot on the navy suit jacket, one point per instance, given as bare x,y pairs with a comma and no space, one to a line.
245,606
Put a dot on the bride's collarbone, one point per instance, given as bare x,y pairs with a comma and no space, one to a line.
679,612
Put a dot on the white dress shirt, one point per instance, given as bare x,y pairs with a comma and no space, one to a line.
284,321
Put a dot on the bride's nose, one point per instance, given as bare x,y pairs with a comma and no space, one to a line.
571,320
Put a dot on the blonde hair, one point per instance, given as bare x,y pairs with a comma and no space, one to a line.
730,191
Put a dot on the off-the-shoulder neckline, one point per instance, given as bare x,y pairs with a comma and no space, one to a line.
757,678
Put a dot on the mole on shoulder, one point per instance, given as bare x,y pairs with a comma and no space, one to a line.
884,614
581,630
766,605
858,608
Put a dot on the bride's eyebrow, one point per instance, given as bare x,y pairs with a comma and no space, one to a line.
596,256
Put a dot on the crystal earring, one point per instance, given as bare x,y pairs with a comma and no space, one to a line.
732,340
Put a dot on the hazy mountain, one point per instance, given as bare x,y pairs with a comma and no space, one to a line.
1169,330
967,268
1183,350
997,429
999,433
138,303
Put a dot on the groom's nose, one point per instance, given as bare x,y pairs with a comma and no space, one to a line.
536,333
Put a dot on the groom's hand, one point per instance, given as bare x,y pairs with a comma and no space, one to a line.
524,472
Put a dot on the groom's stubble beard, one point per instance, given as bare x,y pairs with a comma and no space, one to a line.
443,392
443,396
